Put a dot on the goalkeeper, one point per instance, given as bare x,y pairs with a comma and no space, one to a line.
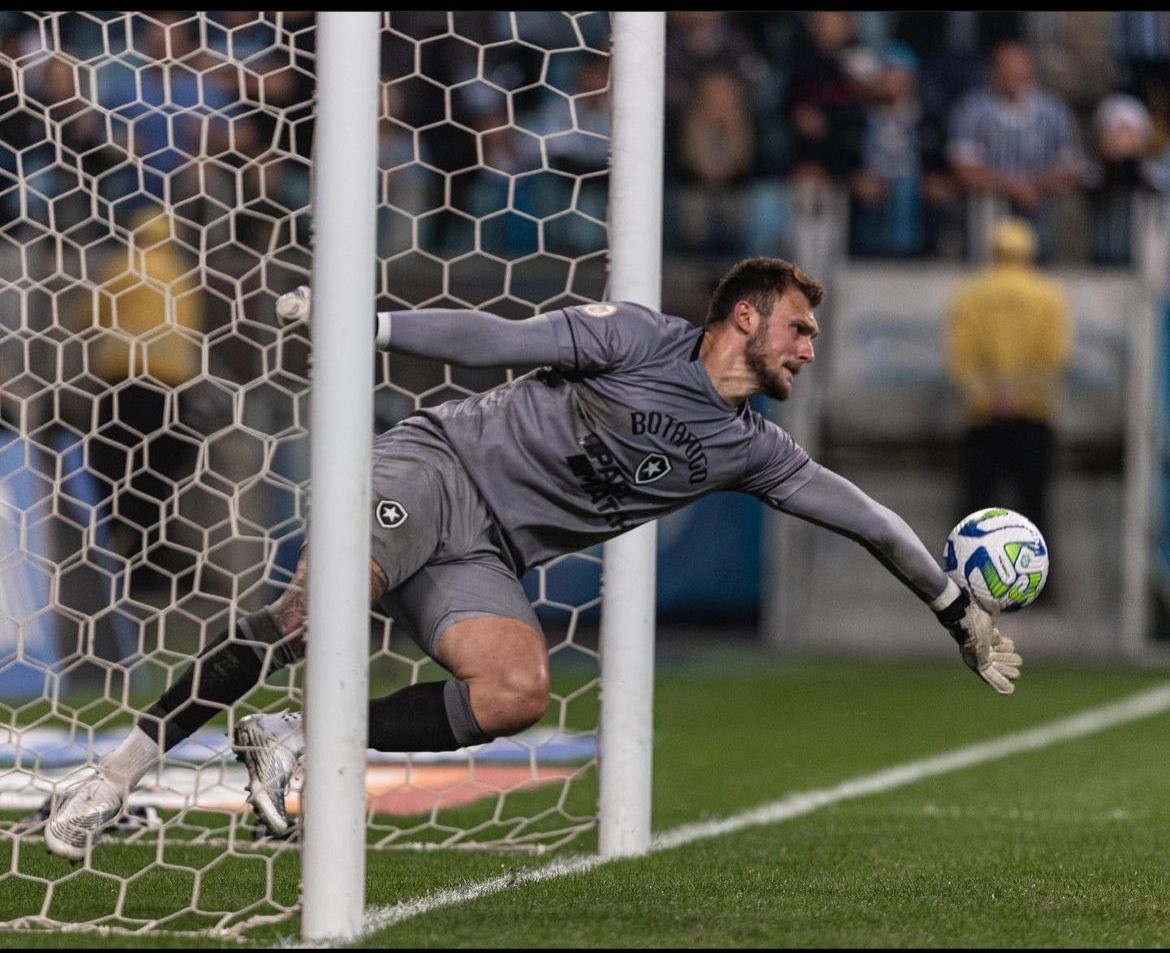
631,415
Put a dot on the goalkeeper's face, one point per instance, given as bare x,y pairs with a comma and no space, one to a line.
782,344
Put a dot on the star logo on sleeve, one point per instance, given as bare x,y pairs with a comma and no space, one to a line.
390,514
654,467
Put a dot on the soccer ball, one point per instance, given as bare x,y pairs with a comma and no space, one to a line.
1000,557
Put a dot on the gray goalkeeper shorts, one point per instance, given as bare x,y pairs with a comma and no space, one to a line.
433,536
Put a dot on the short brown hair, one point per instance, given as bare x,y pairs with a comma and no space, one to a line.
760,281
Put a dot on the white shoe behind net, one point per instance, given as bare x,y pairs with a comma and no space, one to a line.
86,809
270,746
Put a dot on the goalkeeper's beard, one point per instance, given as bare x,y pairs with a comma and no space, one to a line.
771,383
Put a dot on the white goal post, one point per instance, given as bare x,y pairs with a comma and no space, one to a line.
333,862
628,602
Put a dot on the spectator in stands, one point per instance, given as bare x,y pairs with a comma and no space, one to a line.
52,175
716,149
948,45
568,127
755,48
1124,169
831,77
698,41
1008,349
583,148
1074,60
1014,141
158,94
903,180
582,151
405,188
777,35
1141,44
241,34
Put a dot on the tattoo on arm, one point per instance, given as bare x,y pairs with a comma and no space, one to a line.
291,609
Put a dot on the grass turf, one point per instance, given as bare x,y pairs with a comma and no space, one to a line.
1060,847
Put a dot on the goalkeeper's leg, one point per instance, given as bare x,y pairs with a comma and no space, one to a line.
472,617
500,687
224,671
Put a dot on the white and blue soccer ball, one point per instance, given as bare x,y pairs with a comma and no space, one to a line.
1000,557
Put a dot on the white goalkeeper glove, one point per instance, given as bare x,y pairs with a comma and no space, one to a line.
988,654
294,305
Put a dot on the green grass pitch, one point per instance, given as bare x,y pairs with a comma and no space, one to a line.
1064,846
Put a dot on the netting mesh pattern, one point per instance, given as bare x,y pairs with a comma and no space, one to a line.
155,187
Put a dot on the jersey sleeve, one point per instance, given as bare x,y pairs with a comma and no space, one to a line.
605,336
831,501
786,478
468,337
777,465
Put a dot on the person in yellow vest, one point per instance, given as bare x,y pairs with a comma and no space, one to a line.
1008,350
150,311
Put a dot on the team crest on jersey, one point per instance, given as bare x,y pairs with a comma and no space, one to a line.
654,467
390,513
599,310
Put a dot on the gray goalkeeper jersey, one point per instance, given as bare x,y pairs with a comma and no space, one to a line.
624,427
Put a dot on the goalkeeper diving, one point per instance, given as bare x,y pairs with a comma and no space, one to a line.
630,415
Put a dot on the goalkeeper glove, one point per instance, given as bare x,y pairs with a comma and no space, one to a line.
987,653
294,305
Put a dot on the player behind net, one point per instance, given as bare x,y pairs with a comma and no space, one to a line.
632,415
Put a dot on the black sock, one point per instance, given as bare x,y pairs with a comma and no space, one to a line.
416,718
227,669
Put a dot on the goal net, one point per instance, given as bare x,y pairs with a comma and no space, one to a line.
155,175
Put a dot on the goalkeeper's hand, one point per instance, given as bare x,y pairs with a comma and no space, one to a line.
988,654
294,305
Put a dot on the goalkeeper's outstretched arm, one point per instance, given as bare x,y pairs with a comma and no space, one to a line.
469,337
830,500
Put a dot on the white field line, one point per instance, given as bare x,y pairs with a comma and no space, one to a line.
1142,705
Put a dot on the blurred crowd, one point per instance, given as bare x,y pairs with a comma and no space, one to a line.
494,127
1059,117
156,174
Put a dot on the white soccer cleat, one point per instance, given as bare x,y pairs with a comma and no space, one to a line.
85,810
294,305
271,746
